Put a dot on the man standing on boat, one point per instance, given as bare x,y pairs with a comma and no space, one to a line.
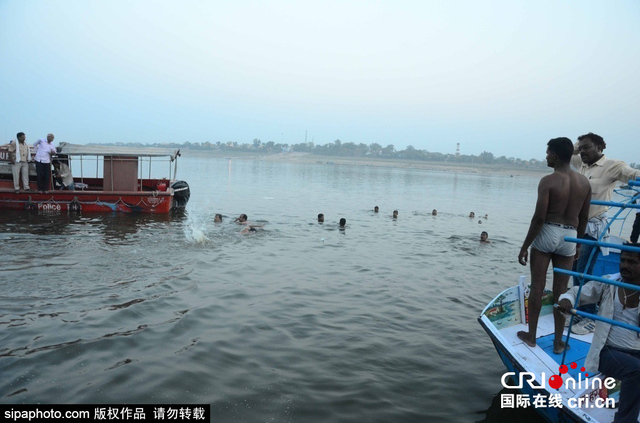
561,210
615,351
20,161
603,174
44,151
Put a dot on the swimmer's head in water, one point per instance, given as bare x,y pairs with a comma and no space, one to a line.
484,236
434,212
376,209
217,218
395,213
472,214
242,218
320,218
343,222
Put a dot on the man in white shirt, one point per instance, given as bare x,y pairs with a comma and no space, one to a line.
20,161
44,151
603,175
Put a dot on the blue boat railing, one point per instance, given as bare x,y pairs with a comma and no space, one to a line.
631,203
605,280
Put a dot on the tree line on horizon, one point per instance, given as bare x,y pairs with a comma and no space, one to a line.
348,149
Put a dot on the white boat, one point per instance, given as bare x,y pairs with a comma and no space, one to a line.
580,397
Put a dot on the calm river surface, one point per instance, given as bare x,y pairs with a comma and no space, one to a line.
297,322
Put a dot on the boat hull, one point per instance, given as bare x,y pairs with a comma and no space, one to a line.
88,201
551,414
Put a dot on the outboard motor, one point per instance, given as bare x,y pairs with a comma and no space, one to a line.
181,194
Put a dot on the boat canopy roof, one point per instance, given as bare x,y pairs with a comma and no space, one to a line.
114,150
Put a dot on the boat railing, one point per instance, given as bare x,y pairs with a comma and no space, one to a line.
142,164
607,281
630,203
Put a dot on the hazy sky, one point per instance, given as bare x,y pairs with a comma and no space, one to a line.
502,76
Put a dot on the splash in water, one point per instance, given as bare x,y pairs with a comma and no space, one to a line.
194,229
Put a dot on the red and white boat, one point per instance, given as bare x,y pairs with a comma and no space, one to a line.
117,182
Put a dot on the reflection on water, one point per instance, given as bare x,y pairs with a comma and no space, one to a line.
299,321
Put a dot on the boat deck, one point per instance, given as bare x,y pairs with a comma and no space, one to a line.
541,361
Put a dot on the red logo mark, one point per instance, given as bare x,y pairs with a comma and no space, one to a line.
555,381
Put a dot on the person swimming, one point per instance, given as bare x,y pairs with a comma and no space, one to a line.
434,212
472,214
395,214
321,218
343,223
376,209
217,218
250,228
484,237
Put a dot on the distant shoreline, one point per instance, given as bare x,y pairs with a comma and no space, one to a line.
297,157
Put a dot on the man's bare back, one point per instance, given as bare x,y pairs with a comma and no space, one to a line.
568,193
562,210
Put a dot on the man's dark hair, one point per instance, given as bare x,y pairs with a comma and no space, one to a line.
343,221
484,232
562,147
320,215
19,134
632,244
597,140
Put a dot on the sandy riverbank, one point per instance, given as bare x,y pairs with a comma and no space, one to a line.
295,157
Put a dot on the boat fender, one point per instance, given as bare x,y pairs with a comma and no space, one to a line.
75,206
30,205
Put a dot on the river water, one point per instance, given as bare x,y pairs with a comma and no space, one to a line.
295,322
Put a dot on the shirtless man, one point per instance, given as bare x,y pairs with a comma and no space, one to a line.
248,226
562,209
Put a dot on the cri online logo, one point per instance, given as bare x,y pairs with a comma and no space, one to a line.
555,381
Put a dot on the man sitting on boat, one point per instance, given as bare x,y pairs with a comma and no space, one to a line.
62,174
561,210
615,351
